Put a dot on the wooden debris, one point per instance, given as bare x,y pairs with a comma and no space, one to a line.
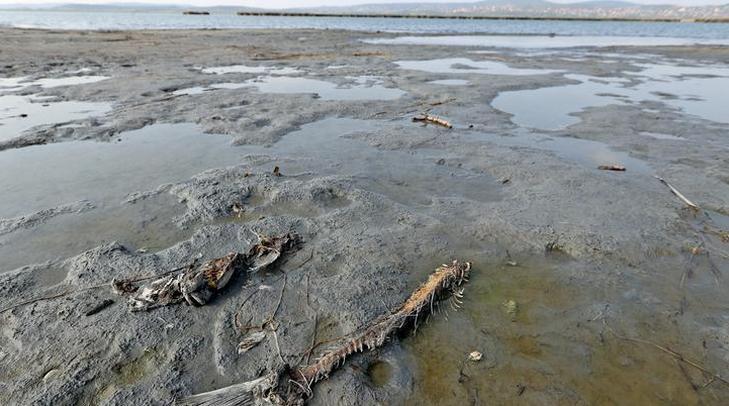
678,194
677,356
292,386
616,168
98,308
427,118
197,286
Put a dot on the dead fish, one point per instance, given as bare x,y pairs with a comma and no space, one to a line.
269,249
198,287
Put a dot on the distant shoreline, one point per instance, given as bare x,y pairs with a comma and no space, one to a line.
467,17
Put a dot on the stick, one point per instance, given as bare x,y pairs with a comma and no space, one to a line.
427,118
675,355
105,285
678,194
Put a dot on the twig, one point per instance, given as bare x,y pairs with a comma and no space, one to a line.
105,285
280,299
39,299
313,338
278,348
678,194
674,354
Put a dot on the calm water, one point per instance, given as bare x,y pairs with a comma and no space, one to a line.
175,20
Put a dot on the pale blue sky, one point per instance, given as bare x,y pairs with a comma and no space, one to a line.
306,3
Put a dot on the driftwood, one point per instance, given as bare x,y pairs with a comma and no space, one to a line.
427,118
197,286
292,386
678,194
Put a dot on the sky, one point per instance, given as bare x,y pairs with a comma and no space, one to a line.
307,3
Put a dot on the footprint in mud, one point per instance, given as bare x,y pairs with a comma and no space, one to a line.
128,374
318,202
329,198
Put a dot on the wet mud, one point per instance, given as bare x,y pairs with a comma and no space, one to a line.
161,149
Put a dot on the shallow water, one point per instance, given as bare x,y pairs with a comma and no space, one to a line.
191,91
542,41
325,90
19,83
467,66
702,91
44,176
146,225
450,82
38,111
363,88
125,20
587,153
67,81
410,178
660,136
552,108
41,177
105,173
268,70
547,339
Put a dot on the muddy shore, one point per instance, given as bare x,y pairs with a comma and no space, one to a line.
580,274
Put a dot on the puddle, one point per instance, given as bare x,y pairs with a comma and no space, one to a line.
660,136
147,224
19,83
44,176
379,373
11,84
363,88
540,41
694,90
267,70
41,177
407,178
590,154
552,108
326,90
450,82
68,81
203,89
191,91
38,112
467,66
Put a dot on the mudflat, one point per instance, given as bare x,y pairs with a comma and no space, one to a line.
126,155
